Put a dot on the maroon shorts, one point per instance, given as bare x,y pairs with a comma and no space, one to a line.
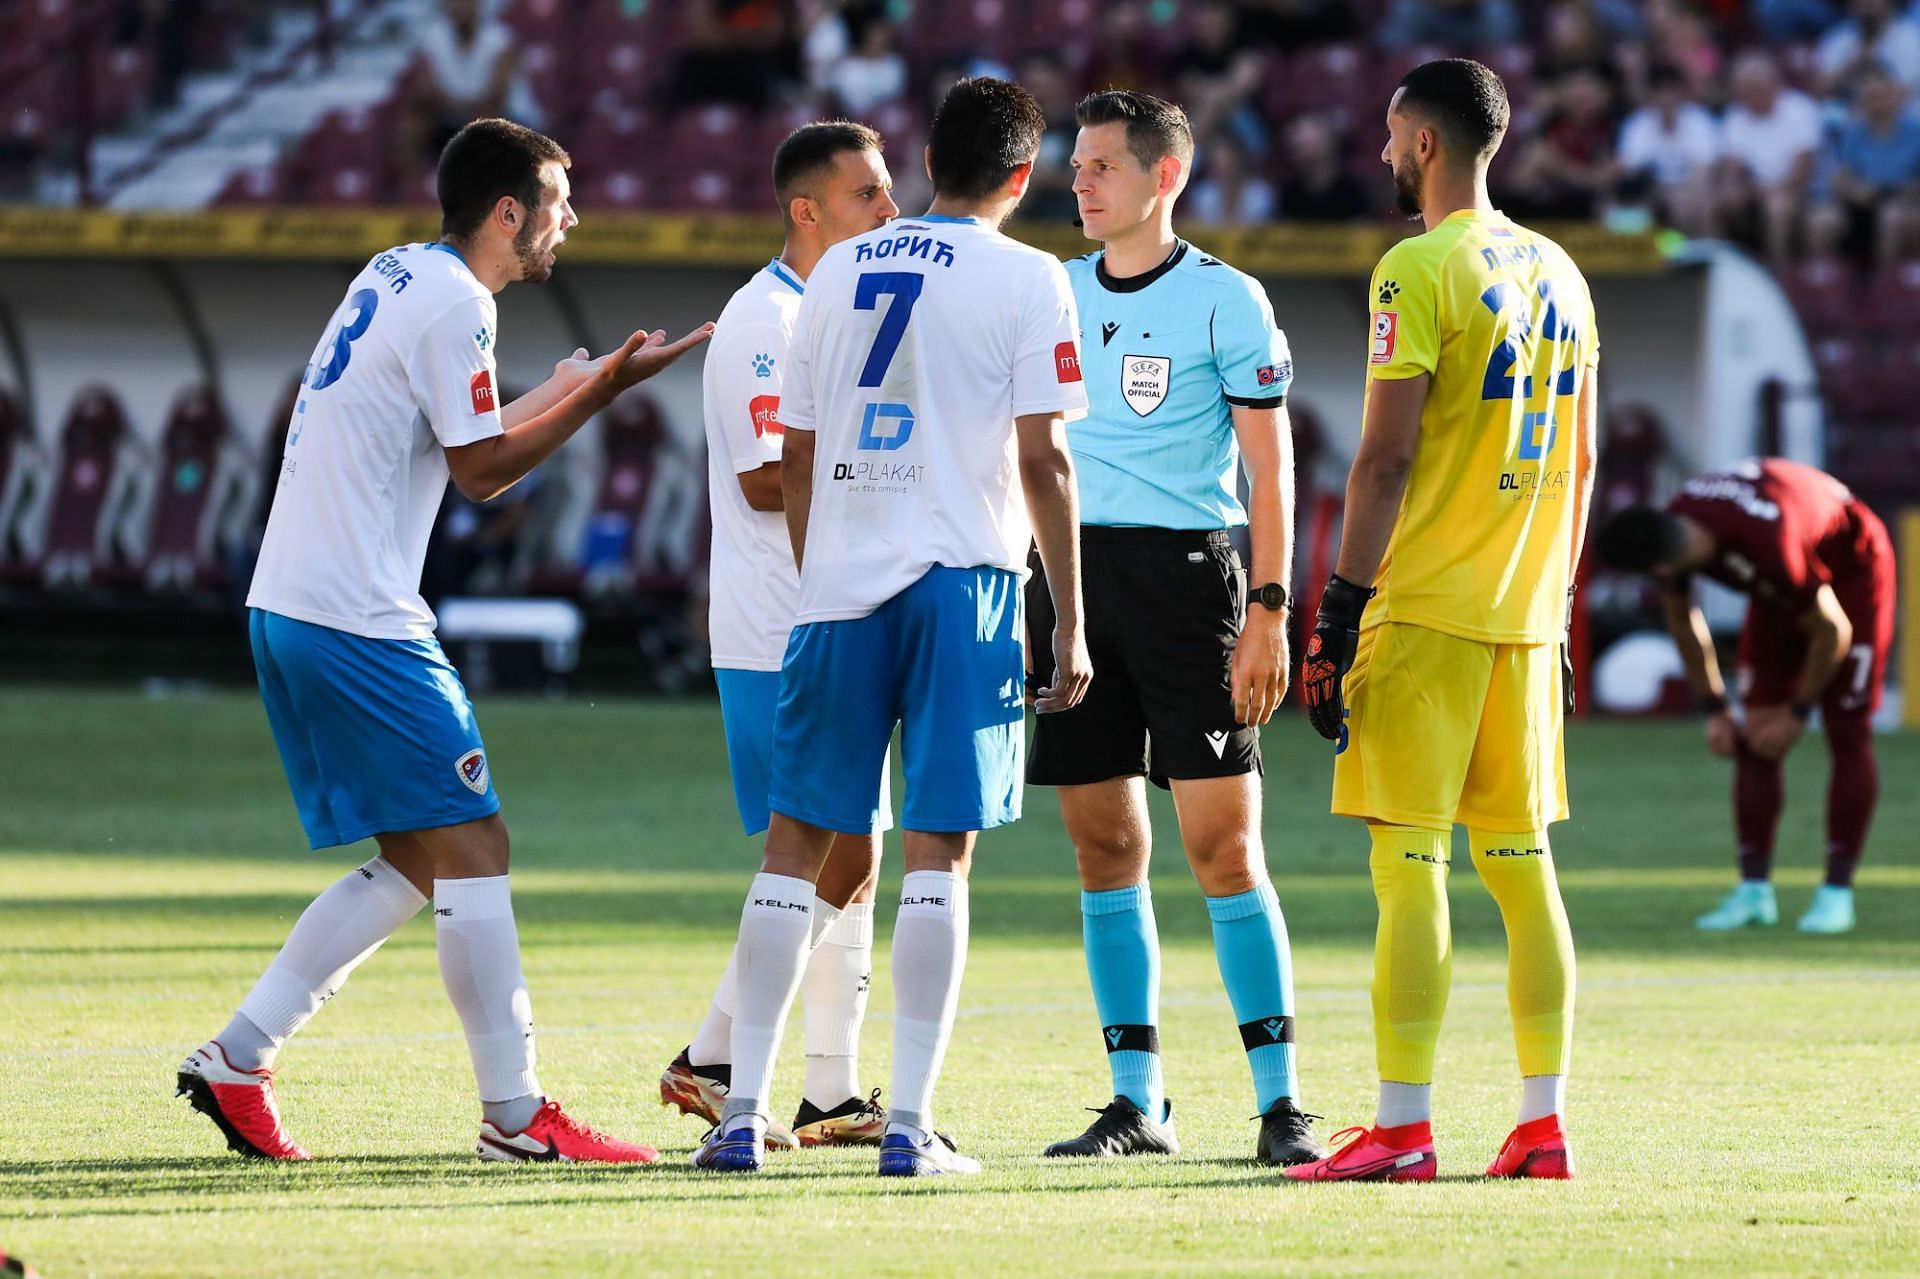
1773,647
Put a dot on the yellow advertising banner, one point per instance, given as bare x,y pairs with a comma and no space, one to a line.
305,234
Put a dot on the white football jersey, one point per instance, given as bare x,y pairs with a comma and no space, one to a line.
916,346
754,589
404,369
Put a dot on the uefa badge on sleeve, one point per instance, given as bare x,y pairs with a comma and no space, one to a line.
472,768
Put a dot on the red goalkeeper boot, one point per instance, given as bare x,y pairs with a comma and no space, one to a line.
1375,1154
1537,1148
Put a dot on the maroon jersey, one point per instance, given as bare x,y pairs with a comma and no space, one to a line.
1782,530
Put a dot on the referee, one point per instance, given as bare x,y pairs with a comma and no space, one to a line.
1185,371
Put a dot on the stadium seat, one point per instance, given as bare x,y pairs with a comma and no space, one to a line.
1633,450
614,137
714,136
1826,293
616,189
88,491
631,433
1845,373
194,483
256,186
1893,304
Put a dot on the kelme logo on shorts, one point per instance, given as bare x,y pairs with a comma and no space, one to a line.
472,768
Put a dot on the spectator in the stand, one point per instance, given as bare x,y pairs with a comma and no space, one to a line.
1772,135
1870,205
1575,39
1125,54
1673,144
875,72
1790,21
1874,32
1050,194
1316,186
471,71
1567,169
1229,191
1456,23
825,38
1292,25
1218,75
735,51
1680,35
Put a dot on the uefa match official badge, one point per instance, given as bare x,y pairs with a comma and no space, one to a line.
472,768
1143,381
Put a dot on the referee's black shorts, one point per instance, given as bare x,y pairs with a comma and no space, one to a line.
1163,608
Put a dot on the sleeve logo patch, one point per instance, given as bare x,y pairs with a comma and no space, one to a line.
1389,290
481,388
1274,374
763,365
766,415
1066,362
1386,332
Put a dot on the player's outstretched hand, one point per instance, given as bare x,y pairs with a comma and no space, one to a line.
1260,662
1330,651
1072,672
575,371
645,354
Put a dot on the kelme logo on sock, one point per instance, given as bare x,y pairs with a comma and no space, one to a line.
772,903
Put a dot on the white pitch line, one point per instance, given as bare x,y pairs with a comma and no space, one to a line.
1348,996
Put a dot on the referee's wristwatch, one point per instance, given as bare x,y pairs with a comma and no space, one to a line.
1272,597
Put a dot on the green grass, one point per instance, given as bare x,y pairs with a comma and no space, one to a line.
1743,1104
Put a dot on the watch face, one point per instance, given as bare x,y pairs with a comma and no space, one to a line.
1273,596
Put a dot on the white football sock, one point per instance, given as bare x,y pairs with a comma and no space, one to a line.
1404,1104
1542,1095
834,990
713,1042
332,937
480,964
775,926
929,957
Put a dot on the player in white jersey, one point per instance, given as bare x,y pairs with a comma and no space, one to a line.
373,727
932,370
832,183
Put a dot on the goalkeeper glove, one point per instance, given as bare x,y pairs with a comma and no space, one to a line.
1330,650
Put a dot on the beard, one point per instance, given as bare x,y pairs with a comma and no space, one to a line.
533,261
1406,186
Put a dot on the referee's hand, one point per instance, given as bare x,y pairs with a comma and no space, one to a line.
1330,651
1072,672
1260,663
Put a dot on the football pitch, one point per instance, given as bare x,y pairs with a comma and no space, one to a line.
1746,1104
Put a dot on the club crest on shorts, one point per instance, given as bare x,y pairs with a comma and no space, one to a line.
472,768
1144,380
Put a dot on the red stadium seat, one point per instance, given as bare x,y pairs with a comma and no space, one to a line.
79,524
540,20
182,543
616,137
631,432
257,186
1893,304
1826,294
16,445
350,186
714,191
1846,375
616,189
1895,384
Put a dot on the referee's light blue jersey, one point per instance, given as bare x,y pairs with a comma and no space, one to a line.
1165,356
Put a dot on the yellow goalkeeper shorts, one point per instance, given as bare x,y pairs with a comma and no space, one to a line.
1442,730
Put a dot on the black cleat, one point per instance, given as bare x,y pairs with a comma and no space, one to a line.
1121,1129
857,1121
1286,1136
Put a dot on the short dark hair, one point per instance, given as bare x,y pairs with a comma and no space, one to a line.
1461,98
1156,128
1640,537
983,131
807,154
486,160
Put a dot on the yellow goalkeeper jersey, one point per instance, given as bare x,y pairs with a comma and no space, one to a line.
1502,320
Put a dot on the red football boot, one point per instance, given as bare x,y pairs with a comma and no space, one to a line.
240,1103
1537,1148
556,1135
1375,1154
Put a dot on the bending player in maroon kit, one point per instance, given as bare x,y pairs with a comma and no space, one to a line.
1818,566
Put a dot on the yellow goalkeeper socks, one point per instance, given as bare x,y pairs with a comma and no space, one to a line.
1518,870
1412,951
